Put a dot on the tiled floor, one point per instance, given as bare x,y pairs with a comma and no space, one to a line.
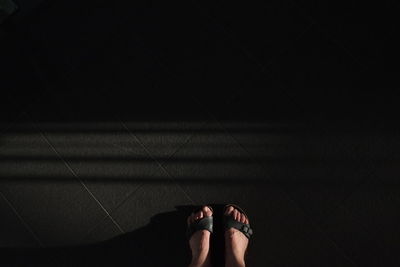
117,118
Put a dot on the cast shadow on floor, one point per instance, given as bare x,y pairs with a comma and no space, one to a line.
162,242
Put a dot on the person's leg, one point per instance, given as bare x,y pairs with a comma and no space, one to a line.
235,241
200,241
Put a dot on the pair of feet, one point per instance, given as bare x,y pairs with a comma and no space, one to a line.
235,241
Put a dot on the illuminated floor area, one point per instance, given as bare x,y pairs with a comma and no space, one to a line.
117,117
324,194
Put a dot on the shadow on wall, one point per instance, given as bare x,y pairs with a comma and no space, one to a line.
161,243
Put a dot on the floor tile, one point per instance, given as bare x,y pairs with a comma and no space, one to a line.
139,208
26,155
62,50
132,75
53,209
123,118
13,231
151,224
282,233
353,29
43,191
212,154
105,230
387,174
365,225
318,189
15,98
317,166
198,52
324,71
262,98
162,139
110,162
255,25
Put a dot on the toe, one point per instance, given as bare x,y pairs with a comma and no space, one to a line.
198,215
229,210
236,215
207,211
195,216
242,218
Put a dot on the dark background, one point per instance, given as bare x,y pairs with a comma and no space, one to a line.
117,117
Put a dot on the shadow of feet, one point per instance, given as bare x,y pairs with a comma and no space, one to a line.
162,242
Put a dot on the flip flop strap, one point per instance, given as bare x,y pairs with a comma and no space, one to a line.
205,223
242,227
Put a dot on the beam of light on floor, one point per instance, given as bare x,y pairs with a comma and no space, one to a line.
187,150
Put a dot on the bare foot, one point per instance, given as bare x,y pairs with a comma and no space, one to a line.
235,241
200,241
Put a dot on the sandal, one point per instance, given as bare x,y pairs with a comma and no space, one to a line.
229,222
205,223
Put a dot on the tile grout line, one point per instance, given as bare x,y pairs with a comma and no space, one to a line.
22,220
368,179
141,185
158,163
314,224
365,229
334,243
77,177
115,208
101,205
39,74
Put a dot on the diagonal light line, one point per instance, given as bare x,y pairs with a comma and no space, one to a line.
101,205
136,189
77,177
181,146
114,209
158,163
141,185
22,220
